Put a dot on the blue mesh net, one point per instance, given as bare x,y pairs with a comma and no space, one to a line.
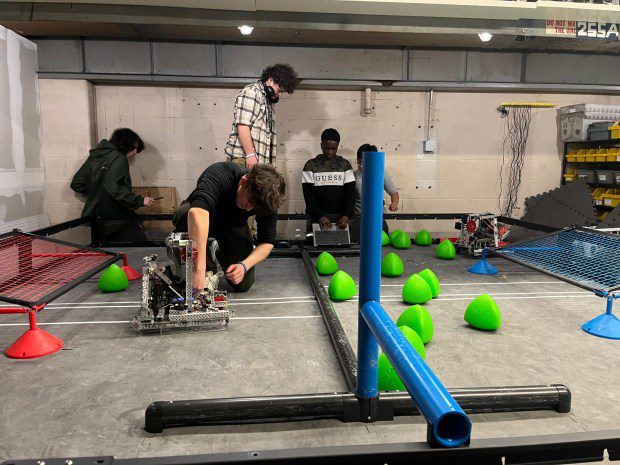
583,257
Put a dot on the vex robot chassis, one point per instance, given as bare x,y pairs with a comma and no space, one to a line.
168,300
479,231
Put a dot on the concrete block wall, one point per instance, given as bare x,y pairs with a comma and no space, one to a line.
67,119
186,129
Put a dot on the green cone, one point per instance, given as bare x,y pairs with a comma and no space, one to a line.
401,240
432,281
445,250
326,264
385,239
416,291
483,313
419,320
392,265
423,238
113,279
388,378
341,286
393,234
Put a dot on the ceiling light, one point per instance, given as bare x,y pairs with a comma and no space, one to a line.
485,36
246,30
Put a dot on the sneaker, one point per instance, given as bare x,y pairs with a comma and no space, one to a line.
214,252
212,281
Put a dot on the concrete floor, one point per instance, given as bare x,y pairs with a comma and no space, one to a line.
89,399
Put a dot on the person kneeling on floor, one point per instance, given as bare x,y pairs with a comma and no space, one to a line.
225,196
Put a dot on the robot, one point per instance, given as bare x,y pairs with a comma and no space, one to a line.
168,300
479,231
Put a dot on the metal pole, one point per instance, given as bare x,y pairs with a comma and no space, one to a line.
370,270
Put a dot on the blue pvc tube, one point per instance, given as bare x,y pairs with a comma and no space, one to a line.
451,427
370,270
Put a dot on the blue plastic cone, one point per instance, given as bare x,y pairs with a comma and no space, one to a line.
606,325
482,266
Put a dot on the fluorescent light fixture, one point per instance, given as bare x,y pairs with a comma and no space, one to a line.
246,30
485,36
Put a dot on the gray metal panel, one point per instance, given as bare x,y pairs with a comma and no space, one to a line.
60,55
117,56
434,65
494,67
313,62
182,59
572,68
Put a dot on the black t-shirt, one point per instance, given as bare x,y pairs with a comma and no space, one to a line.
216,192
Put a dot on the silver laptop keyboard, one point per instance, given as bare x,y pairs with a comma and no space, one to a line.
331,237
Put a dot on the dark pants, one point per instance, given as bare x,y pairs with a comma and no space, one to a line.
121,231
354,228
235,244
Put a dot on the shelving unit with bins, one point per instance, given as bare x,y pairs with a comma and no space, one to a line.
599,163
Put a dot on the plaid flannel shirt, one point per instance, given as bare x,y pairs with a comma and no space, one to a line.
252,109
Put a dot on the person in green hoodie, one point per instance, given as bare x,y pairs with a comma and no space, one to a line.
105,181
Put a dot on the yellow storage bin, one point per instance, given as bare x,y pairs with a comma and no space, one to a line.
570,175
601,155
591,155
613,155
611,198
615,130
581,155
571,157
597,195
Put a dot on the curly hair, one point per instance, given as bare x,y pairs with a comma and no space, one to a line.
283,75
125,140
267,188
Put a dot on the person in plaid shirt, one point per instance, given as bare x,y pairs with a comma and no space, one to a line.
253,136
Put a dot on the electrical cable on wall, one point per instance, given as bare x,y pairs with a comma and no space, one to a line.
518,117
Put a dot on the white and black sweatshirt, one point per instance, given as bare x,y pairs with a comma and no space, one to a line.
329,187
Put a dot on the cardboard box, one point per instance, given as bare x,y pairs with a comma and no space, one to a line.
167,204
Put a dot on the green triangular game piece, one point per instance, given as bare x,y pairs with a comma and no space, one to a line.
445,250
393,234
326,264
388,378
392,265
483,313
341,286
423,238
432,281
419,320
401,240
415,340
113,279
416,290
385,239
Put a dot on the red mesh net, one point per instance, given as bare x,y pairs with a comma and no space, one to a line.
33,269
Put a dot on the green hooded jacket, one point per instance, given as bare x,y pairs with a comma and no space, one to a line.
104,178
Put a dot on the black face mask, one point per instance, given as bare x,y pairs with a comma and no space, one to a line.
271,94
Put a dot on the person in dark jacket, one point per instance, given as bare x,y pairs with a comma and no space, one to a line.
105,181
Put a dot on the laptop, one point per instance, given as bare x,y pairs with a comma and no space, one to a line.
330,238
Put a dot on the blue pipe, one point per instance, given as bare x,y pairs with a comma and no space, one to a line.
370,270
450,426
